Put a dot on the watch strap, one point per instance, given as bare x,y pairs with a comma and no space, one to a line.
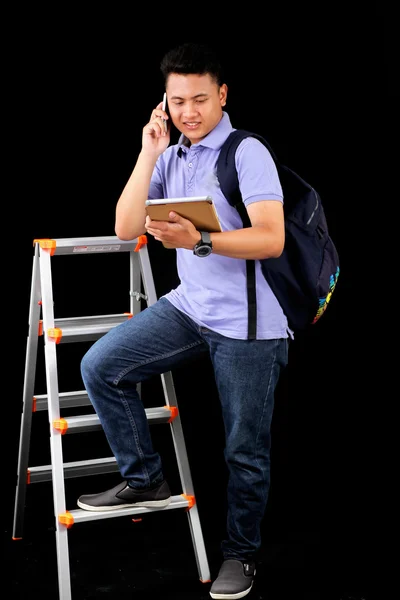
205,237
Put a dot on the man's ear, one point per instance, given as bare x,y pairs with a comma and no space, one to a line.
223,93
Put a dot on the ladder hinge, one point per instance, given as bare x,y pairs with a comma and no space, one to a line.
138,296
46,244
142,241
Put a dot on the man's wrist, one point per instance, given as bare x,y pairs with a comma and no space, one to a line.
198,238
203,247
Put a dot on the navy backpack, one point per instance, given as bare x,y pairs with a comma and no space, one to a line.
304,277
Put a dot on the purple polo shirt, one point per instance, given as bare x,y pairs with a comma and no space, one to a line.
212,290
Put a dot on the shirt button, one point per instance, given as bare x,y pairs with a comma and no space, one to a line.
190,164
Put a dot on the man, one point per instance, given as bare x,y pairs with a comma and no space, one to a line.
206,313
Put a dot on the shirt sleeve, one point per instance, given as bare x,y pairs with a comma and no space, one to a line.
257,173
156,189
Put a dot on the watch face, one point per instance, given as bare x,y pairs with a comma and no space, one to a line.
203,251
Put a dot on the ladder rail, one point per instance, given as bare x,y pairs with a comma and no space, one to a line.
27,399
136,298
178,439
56,450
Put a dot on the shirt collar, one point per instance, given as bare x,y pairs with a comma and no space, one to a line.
213,140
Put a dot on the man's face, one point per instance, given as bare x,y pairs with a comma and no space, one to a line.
195,104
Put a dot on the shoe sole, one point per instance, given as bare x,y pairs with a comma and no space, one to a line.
232,596
146,504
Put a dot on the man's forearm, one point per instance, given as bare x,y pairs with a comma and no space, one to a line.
255,243
130,211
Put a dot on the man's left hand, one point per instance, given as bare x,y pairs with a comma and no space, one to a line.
177,232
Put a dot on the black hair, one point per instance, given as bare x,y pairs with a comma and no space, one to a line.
191,58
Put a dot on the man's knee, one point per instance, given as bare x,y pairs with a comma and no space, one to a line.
92,363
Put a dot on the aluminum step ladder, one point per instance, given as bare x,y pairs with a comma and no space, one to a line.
58,331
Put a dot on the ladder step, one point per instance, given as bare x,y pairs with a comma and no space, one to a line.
155,416
81,329
97,245
79,515
80,468
161,414
66,400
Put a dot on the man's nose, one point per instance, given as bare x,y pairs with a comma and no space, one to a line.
190,109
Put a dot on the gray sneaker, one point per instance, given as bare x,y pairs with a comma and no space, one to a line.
122,496
235,580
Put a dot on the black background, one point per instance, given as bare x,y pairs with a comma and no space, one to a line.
82,88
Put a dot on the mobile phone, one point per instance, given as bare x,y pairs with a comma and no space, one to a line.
164,107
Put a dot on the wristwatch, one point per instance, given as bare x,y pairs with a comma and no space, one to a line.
204,246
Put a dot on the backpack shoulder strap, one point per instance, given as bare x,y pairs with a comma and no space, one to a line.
229,183
226,168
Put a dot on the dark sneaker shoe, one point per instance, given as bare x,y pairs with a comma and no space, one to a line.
234,580
122,496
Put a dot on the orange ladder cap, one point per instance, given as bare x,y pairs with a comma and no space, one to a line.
191,500
61,425
136,520
128,314
54,334
28,476
66,519
40,331
142,241
33,404
46,244
174,412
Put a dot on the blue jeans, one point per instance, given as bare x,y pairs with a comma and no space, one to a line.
157,340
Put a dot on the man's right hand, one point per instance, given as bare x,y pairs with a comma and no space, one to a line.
156,136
